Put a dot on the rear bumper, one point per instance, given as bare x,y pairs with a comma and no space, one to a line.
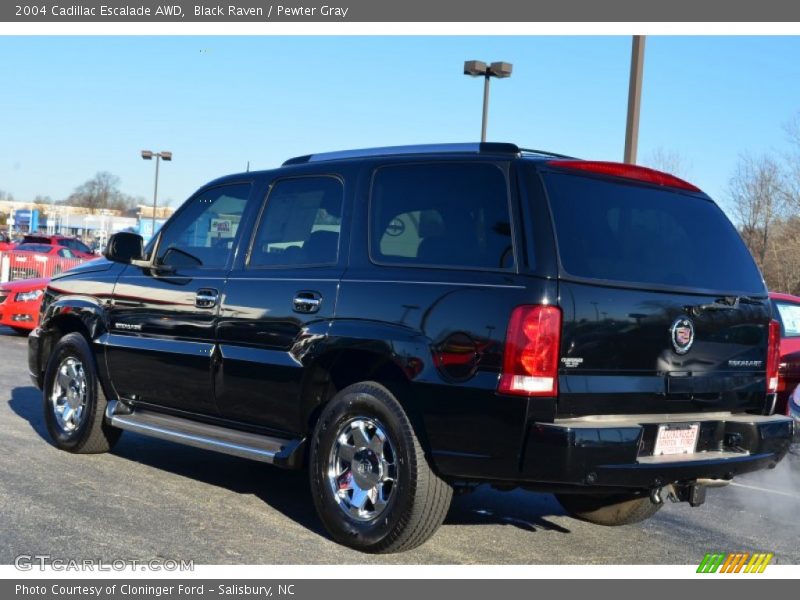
605,452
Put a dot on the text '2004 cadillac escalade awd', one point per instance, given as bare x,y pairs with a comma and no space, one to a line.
406,321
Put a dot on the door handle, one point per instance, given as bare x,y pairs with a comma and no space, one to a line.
307,302
206,298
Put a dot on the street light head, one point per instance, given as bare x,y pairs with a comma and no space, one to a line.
166,155
500,69
474,68
147,154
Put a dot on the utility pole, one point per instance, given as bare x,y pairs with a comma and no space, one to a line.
634,99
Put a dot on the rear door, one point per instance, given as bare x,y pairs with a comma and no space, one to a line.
664,308
279,301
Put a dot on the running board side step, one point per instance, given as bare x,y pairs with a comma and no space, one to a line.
276,451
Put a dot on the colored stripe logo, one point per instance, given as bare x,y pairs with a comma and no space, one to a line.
735,562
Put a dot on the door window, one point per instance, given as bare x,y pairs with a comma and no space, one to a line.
300,224
203,234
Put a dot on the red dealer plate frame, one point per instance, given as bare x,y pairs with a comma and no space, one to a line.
674,440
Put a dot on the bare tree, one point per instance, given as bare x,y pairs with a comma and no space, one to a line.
792,129
782,266
101,192
759,199
668,161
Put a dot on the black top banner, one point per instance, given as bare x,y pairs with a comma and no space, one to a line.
251,11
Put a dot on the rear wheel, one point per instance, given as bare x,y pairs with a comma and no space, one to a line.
616,509
74,403
372,485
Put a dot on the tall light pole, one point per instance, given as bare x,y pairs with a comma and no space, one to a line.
148,155
634,99
476,68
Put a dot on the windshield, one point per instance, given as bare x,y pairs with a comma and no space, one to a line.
639,234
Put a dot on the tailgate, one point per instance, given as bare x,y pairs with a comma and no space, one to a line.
626,352
664,308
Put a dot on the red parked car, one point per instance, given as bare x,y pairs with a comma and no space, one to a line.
77,247
5,243
31,260
20,302
787,312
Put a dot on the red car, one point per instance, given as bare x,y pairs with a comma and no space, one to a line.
20,302
787,312
77,247
5,243
31,260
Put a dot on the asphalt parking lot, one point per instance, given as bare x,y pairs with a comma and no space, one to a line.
153,499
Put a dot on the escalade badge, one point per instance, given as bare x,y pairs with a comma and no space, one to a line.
682,334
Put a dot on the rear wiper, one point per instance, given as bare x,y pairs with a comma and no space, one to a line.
724,303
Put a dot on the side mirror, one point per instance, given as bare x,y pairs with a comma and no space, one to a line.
124,247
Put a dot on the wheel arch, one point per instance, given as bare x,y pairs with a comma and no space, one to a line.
70,315
396,358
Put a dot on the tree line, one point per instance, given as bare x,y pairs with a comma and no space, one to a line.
764,194
101,192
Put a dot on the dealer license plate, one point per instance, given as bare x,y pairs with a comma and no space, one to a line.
676,439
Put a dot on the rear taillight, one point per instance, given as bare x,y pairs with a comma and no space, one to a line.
773,356
530,359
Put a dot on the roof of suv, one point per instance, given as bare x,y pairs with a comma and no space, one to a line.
470,148
494,149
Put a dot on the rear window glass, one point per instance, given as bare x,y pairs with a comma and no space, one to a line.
638,234
790,318
441,214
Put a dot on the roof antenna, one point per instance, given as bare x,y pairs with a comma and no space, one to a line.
248,166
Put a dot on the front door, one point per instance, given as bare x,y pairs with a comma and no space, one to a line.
163,319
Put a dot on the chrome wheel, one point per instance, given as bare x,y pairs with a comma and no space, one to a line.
362,469
69,395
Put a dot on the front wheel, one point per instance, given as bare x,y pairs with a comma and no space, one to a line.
372,485
74,403
609,509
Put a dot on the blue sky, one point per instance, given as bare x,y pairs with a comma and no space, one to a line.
73,106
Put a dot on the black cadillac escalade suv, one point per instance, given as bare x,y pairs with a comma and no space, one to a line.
404,322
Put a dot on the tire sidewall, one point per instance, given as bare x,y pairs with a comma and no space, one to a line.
75,345
363,401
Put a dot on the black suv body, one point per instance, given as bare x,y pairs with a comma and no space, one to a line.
403,321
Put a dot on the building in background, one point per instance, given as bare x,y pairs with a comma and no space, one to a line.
93,228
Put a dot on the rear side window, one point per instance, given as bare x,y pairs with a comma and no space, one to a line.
790,318
34,248
441,214
644,235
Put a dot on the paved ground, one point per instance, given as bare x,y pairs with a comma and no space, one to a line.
151,499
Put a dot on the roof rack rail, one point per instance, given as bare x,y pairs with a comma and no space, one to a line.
544,153
470,148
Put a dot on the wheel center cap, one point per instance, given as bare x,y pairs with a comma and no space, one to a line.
366,469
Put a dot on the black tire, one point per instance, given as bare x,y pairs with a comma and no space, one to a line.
91,435
418,500
610,510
